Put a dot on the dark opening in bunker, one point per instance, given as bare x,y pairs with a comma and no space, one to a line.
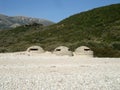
58,49
87,49
33,49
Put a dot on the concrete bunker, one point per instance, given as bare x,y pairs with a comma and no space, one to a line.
62,50
35,49
83,51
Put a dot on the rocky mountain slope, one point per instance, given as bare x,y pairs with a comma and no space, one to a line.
7,22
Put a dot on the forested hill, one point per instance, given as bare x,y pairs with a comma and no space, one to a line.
98,29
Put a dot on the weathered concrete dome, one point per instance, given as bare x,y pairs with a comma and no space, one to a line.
62,50
35,49
84,51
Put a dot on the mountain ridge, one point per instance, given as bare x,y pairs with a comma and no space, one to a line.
6,22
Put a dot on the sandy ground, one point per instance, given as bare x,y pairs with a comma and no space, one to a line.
46,72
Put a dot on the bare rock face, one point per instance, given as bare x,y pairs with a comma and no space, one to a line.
7,22
15,25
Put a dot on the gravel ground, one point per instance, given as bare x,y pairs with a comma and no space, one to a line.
21,72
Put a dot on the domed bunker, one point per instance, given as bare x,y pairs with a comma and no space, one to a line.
35,49
63,50
84,51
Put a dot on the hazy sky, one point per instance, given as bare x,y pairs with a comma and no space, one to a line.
54,10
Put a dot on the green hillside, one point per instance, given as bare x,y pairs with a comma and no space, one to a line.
98,29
